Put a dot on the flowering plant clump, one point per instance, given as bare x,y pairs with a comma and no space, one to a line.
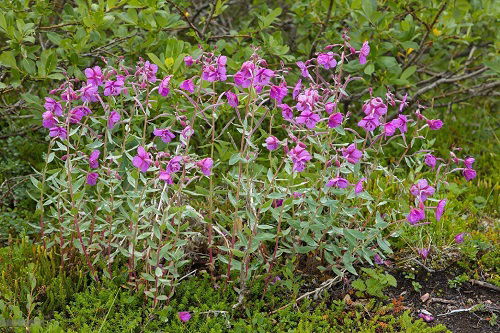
238,168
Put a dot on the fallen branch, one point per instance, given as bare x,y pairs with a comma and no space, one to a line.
485,284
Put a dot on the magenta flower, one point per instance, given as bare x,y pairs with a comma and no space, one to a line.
390,128
378,260
163,88
188,60
278,92
364,52
468,162
216,71
187,85
113,88
53,106
299,156
69,94
184,316
401,123
174,164
48,119
286,111
232,99
308,118
375,106
272,143
149,71
263,76
440,209
358,188
205,165
77,113
422,190
460,238
59,132
335,120
435,124
166,176
297,195
94,75
352,154
277,203
92,178
430,160
113,118
338,182
403,103
330,106
306,100
187,132
89,93
327,60
369,123
165,134
142,160
423,253
427,317
94,159
303,69
296,89
244,76
469,174
415,216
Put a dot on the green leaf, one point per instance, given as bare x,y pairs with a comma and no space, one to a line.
369,69
157,61
7,59
408,72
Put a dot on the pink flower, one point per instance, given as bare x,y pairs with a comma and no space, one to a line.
94,159
77,113
390,128
215,71
327,60
358,188
59,132
184,316
278,92
163,88
460,238
338,182
92,178
149,70
113,118
423,253
352,154
426,316
335,120
48,119
53,106
440,209
369,123
308,118
69,94
244,76
263,76
174,164
469,174
232,99
113,88
142,160
468,162
286,111
89,93
165,176
94,75
296,89
375,106
435,124
188,60
364,52
187,85
430,160
400,122
306,100
403,103
330,106
187,132
205,165
415,216
303,69
297,195
165,134
299,156
272,143
422,190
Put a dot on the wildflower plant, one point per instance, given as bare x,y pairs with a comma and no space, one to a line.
238,169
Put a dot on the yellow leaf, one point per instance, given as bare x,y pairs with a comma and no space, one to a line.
410,50
436,32
186,13
169,62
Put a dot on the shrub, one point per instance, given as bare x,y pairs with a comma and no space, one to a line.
234,173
